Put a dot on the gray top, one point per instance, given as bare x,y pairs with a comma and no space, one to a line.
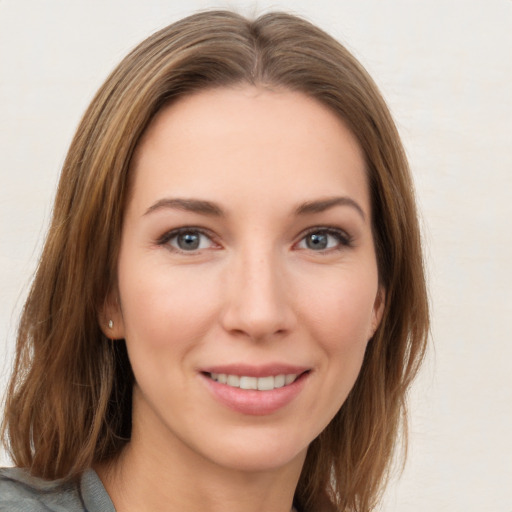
20,492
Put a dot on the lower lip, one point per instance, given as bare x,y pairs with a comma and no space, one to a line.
253,402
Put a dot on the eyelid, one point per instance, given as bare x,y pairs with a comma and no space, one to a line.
344,238
172,233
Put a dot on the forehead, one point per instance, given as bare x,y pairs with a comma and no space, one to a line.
248,141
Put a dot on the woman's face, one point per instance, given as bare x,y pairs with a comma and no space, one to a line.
246,261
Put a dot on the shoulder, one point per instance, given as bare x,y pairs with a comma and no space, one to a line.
21,492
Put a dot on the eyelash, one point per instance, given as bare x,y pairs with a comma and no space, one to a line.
167,237
343,238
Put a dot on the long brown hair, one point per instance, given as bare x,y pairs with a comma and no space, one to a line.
69,400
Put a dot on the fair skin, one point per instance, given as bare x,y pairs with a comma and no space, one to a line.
246,259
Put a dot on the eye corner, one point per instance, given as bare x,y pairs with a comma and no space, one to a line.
324,239
188,240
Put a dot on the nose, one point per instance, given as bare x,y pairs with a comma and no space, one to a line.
258,301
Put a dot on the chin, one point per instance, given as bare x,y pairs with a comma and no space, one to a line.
262,461
259,451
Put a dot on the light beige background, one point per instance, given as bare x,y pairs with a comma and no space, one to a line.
445,67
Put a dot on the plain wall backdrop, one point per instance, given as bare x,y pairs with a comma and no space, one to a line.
445,68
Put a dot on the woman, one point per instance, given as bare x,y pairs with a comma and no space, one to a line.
230,305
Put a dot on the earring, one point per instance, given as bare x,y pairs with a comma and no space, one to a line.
110,324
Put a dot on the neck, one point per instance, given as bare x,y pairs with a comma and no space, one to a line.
160,474
136,485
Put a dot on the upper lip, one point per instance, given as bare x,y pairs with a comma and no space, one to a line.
248,370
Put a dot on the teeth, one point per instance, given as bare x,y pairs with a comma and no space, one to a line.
259,383
279,381
289,379
265,383
233,380
248,383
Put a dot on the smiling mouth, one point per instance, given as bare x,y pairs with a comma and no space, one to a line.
255,383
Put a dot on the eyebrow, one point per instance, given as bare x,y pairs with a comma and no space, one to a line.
189,205
325,204
211,209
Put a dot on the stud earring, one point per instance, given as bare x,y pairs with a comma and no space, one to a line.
110,324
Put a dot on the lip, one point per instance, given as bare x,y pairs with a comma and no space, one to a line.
253,402
256,371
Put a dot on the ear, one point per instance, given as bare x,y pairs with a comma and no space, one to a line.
110,317
378,310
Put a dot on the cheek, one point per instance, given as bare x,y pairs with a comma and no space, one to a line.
163,308
341,311
338,319
166,315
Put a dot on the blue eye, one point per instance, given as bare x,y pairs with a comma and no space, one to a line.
187,240
324,239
